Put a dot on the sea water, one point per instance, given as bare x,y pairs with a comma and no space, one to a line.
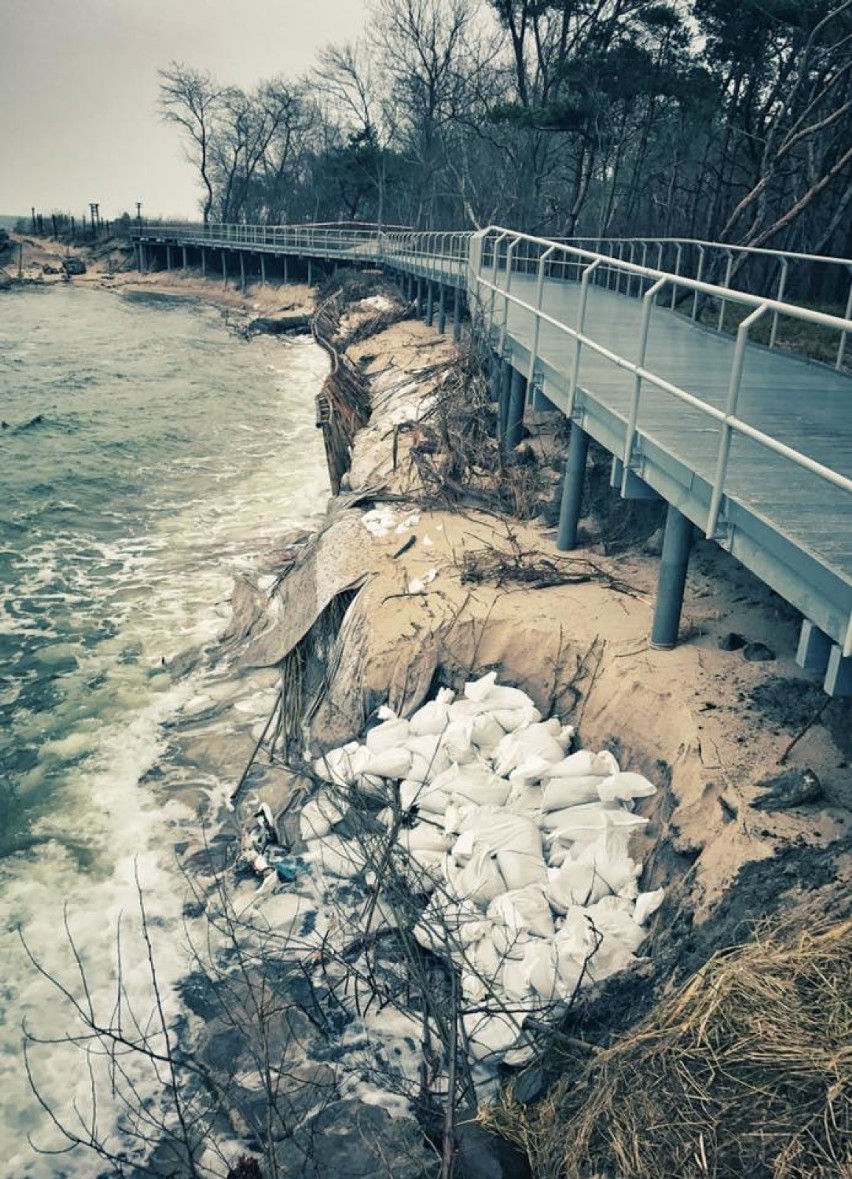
147,455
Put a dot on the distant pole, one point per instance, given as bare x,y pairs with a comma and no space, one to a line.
33,214
20,259
139,214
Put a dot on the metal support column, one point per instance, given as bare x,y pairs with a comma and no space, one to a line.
677,542
430,301
457,310
418,299
242,271
310,273
504,394
286,269
184,260
572,488
263,269
141,249
515,419
203,262
168,257
442,309
224,268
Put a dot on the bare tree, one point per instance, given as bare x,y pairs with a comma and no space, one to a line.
191,99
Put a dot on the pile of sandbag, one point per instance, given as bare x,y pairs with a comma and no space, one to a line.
521,847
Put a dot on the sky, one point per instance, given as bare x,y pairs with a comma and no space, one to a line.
78,90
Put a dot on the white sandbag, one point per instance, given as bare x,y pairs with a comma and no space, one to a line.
485,733
613,917
541,967
342,765
477,880
575,790
609,856
457,742
335,856
490,1035
647,903
475,783
520,869
510,719
524,909
524,799
502,830
624,787
575,884
424,837
477,690
432,718
530,769
584,823
583,763
319,815
389,763
428,757
483,957
385,713
512,979
508,941
390,734
502,697
424,796
515,748
576,936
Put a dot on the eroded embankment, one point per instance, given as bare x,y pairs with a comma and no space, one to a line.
423,577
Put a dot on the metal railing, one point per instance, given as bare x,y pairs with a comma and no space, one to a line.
297,239
498,254
756,269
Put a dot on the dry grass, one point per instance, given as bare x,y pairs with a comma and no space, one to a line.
746,1071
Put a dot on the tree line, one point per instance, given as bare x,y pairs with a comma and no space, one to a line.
721,119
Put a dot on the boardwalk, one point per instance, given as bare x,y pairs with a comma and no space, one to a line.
785,518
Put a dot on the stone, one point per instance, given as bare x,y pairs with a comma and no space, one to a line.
482,1154
731,642
359,1141
73,265
653,546
793,788
758,653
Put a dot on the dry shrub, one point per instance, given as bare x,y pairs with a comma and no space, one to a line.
457,455
531,568
747,1070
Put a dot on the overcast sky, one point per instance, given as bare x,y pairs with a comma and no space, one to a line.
78,90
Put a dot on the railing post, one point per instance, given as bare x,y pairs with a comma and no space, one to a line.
581,320
841,347
496,247
725,284
503,326
782,282
630,434
698,274
539,297
678,257
730,411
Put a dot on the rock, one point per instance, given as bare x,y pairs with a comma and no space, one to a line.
482,1154
653,546
790,789
73,265
5,281
731,642
48,269
277,327
758,653
349,1138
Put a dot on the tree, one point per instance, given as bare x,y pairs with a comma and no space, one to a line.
191,99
